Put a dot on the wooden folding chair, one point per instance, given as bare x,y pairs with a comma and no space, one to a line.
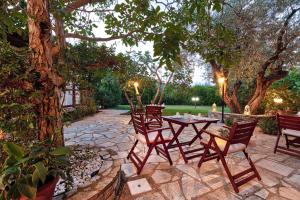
238,139
289,126
154,116
150,138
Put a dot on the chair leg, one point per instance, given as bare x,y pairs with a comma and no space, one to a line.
277,141
131,150
252,165
145,159
206,151
287,141
231,179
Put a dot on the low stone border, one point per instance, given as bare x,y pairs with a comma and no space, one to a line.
236,116
108,186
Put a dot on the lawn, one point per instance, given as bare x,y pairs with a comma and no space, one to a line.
172,109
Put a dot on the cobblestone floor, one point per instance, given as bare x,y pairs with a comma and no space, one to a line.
280,173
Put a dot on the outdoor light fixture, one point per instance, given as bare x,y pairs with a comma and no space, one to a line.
221,81
278,100
136,84
195,100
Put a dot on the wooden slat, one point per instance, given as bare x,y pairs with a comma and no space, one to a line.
243,173
245,180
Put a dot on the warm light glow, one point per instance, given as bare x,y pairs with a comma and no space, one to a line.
221,80
136,84
278,100
195,98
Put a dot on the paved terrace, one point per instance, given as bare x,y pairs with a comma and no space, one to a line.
158,181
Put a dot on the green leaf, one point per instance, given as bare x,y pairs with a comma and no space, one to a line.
60,151
27,190
40,173
13,149
2,186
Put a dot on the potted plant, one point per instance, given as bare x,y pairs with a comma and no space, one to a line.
32,172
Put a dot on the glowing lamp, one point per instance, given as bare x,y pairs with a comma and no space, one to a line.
278,100
221,80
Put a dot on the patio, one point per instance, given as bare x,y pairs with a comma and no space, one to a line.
280,173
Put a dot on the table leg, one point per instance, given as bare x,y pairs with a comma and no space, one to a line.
175,138
199,132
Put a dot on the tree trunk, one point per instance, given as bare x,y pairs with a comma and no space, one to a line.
49,83
230,97
154,100
162,95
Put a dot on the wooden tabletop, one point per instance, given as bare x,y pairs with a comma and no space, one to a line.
182,120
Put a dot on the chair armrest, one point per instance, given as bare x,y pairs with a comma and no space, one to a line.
215,135
158,129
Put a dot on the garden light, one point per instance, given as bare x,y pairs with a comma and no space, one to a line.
221,81
278,100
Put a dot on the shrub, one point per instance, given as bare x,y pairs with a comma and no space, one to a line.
268,125
17,112
229,122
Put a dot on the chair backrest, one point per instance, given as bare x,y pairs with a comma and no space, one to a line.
288,122
240,132
154,112
139,125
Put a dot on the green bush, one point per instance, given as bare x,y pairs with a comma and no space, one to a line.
107,92
268,125
229,122
79,112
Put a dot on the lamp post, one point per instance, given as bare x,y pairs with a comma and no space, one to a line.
195,100
221,82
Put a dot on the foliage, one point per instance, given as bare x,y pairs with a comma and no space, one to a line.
79,112
108,92
229,122
17,112
173,109
288,89
268,125
182,95
28,167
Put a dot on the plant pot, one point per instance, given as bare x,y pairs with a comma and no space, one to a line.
45,192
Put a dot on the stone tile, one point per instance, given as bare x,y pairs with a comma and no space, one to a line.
223,193
262,193
275,167
172,191
289,193
161,177
294,180
139,186
189,170
129,169
268,179
151,196
192,188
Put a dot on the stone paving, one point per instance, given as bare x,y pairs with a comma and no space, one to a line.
280,173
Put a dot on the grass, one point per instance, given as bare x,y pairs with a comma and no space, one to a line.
172,109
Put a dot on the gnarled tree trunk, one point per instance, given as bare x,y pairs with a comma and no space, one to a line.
49,82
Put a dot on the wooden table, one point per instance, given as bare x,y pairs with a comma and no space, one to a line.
183,123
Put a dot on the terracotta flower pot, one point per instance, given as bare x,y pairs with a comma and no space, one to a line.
45,192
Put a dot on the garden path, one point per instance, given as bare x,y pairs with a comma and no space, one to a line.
158,181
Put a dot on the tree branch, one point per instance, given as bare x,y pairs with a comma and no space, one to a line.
97,39
280,47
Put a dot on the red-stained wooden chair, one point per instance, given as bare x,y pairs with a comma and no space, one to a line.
154,116
219,147
289,126
150,138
